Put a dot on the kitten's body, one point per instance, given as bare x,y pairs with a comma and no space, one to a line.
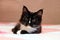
30,23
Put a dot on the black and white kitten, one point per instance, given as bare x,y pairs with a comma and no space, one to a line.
30,22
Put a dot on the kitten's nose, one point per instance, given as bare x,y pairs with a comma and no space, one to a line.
29,21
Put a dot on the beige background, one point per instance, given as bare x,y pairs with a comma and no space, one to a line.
10,10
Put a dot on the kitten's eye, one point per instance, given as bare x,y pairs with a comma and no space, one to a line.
33,20
25,18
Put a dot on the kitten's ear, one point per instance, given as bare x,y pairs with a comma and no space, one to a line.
40,12
25,9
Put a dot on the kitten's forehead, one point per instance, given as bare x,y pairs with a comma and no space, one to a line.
32,14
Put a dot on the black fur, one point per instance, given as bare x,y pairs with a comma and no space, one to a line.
35,19
16,28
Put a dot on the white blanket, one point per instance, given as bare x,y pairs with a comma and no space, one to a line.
49,32
46,36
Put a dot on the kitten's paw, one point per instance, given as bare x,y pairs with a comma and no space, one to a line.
24,32
18,32
14,31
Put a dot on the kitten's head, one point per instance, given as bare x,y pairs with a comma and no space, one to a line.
32,19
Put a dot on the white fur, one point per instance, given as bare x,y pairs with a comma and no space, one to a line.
27,28
29,21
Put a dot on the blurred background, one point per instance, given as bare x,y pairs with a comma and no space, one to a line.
11,10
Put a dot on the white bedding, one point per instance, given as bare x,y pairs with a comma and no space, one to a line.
46,36
49,32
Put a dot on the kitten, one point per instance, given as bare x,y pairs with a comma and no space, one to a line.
30,22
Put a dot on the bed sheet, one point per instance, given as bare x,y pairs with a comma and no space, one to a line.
49,32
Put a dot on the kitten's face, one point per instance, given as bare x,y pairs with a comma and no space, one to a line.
32,19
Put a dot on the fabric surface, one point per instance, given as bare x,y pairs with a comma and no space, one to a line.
49,32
